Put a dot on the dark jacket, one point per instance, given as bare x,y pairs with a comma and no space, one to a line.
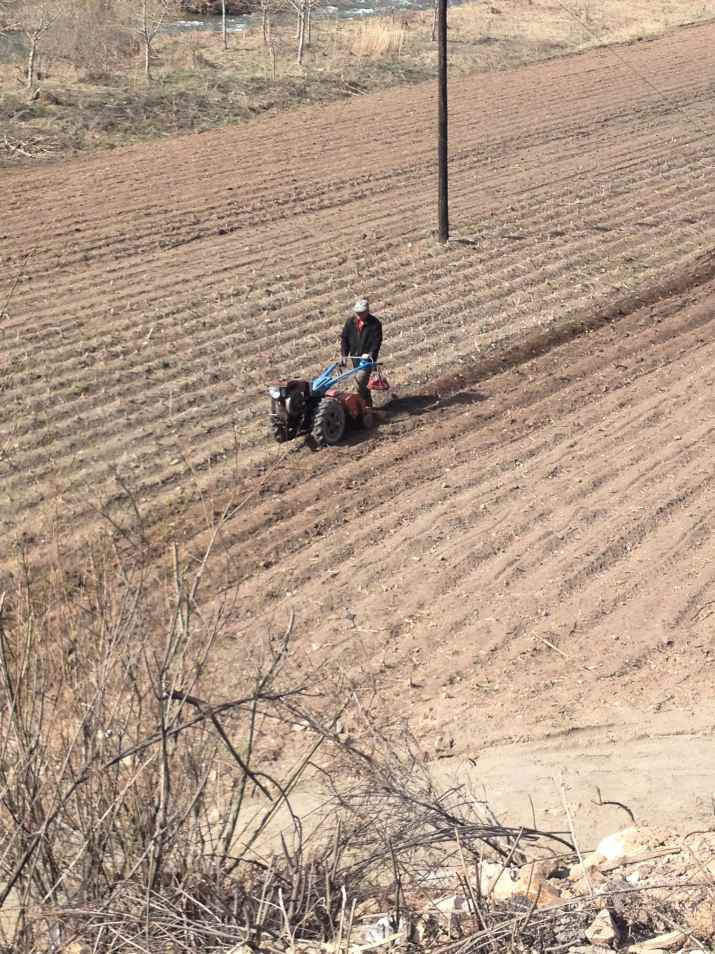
367,341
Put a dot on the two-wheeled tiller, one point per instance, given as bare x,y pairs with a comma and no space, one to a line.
322,408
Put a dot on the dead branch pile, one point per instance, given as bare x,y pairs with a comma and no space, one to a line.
139,813
28,150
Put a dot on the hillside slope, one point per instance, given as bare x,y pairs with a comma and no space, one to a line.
510,555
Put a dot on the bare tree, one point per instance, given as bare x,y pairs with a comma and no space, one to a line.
309,22
266,10
95,36
35,19
146,19
303,10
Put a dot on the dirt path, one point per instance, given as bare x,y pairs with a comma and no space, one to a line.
598,778
512,555
660,770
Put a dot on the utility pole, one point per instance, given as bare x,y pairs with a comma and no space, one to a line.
442,177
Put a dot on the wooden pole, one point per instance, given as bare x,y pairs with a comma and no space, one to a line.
442,177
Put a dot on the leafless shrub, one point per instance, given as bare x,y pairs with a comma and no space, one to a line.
145,19
35,20
138,811
111,785
136,808
132,803
95,39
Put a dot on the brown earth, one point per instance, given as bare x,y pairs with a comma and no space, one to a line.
524,547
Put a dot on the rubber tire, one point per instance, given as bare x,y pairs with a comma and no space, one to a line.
329,423
279,430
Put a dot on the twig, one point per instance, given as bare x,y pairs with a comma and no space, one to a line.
478,940
684,931
350,925
18,149
625,808
704,606
637,859
573,837
341,922
551,646
206,709
705,872
527,917
476,910
3,310
354,89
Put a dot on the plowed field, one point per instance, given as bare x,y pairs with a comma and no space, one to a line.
526,541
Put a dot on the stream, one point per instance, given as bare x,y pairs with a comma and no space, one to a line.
345,10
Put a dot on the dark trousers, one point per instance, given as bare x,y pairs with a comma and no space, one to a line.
361,381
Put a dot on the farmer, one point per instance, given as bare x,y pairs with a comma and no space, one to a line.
361,337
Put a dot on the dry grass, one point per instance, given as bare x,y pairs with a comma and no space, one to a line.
199,85
513,31
378,38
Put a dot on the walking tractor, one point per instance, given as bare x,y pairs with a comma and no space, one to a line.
322,409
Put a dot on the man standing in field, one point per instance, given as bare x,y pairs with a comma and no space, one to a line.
361,337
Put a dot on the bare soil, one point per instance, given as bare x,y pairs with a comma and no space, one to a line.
523,549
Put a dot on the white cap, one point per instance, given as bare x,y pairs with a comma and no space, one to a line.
361,305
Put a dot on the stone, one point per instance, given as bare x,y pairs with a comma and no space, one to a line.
603,931
631,842
588,883
529,881
590,863
671,941
425,930
452,904
380,930
383,930
702,920
449,911
585,949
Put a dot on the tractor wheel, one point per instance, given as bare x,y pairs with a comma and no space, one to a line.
279,429
328,423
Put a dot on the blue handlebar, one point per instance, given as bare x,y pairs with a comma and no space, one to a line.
325,381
